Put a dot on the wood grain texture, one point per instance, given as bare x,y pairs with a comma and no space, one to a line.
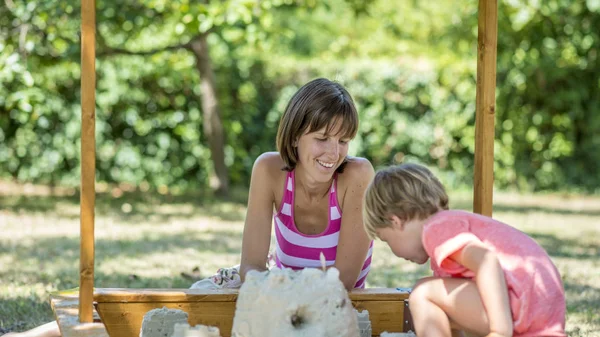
88,158
195,295
483,184
66,311
122,310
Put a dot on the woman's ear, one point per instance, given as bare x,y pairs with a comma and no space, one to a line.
397,222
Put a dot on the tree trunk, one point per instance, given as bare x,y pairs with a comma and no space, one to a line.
212,126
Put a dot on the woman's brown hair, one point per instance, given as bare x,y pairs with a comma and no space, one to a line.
318,104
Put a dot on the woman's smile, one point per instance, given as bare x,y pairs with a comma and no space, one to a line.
325,164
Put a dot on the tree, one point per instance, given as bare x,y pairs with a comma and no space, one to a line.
43,34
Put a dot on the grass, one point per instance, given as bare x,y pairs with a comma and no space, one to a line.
149,240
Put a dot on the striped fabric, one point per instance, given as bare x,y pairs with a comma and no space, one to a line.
297,250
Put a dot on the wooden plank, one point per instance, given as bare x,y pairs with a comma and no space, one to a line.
483,184
379,294
66,314
88,158
384,315
107,295
125,319
122,310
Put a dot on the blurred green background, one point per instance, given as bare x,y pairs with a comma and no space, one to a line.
189,93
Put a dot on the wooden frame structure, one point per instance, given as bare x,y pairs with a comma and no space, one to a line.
112,300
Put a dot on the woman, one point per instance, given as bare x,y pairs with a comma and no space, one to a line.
312,189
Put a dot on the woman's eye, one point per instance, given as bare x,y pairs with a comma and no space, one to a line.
321,139
343,141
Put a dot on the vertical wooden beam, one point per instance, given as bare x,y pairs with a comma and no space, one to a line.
88,158
487,40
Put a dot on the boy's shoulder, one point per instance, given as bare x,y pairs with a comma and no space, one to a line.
453,221
465,220
451,214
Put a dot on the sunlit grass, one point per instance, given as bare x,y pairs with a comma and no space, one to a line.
147,241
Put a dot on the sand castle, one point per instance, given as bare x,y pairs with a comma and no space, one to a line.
275,303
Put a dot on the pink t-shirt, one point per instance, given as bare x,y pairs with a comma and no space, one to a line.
535,289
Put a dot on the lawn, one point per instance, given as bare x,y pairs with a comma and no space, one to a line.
152,240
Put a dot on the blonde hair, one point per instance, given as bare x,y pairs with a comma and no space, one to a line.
408,191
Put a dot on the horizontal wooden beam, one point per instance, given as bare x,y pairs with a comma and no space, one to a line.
107,295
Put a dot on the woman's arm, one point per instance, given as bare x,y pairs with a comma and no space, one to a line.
257,227
491,284
353,243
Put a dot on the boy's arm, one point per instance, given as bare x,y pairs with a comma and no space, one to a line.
490,281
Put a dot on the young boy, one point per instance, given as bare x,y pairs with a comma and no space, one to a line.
489,278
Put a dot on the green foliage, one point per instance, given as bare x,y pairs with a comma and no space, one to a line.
550,94
410,66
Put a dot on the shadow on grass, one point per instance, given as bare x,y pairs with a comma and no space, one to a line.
499,206
581,297
135,206
27,312
550,210
396,276
63,254
138,206
23,313
53,263
570,248
583,302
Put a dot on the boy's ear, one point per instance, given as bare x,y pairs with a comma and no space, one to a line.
397,222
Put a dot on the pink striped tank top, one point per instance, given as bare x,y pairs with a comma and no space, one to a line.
297,250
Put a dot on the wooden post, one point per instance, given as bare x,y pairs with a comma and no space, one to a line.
486,107
88,158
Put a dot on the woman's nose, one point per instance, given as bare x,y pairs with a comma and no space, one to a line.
334,149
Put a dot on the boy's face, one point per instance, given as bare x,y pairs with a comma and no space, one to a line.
404,240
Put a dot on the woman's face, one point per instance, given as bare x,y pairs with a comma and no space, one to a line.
320,154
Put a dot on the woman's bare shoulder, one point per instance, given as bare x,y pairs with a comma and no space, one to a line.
268,176
269,160
269,164
357,169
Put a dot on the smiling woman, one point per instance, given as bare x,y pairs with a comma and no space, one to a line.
312,189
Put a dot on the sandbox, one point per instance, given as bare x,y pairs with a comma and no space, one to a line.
120,311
